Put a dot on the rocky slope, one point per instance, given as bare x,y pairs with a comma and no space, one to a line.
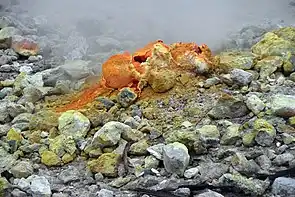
229,134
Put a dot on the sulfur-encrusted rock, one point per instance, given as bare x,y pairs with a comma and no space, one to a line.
73,123
236,59
49,158
106,164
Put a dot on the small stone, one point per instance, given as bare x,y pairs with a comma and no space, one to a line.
209,135
283,105
209,193
126,97
156,150
73,123
264,162
283,159
49,158
283,187
176,158
231,135
191,173
69,175
110,134
265,132
255,104
106,164
241,77
105,193
18,193
211,82
139,148
39,186
151,162
23,169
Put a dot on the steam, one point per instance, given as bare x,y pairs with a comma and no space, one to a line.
90,27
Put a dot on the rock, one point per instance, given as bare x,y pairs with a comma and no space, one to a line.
283,105
209,193
209,135
268,66
75,69
22,121
156,150
231,135
18,193
131,122
14,135
126,97
49,158
22,169
211,82
283,187
39,186
228,107
105,193
62,144
283,159
5,43
7,160
132,135
253,187
176,158
236,59
151,162
107,103
265,132
272,45
44,120
69,175
139,148
73,123
185,137
211,170
4,115
4,128
25,46
4,184
8,32
106,164
241,77
162,81
264,162
110,134
244,166
254,103
191,173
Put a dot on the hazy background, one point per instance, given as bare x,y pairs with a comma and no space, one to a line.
79,28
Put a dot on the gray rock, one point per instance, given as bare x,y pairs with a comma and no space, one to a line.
60,195
241,77
176,158
130,121
4,115
4,128
254,103
73,123
231,135
76,69
156,150
264,162
22,121
268,65
22,169
185,192
228,108
126,97
15,109
18,193
69,175
283,159
26,69
190,173
284,187
39,186
283,105
110,134
105,193
237,59
209,193
8,32
243,165
211,82
253,187
211,170
4,59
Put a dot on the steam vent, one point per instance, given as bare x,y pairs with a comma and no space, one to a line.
81,117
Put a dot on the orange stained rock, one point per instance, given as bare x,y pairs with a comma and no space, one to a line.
142,54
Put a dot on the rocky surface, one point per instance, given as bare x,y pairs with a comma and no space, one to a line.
231,134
